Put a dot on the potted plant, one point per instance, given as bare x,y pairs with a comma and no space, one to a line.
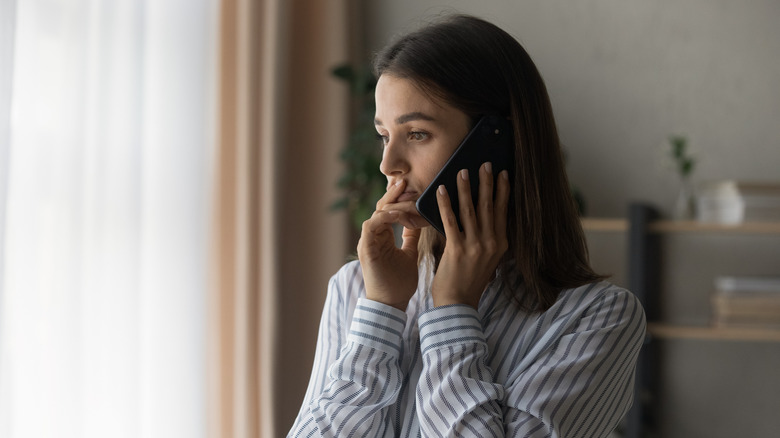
361,183
684,164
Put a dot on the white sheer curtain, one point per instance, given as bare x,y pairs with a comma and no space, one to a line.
106,190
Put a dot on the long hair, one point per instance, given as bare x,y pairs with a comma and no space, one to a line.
480,69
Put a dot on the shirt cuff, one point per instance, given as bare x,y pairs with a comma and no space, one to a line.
377,325
450,325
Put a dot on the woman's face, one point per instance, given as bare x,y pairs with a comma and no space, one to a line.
418,134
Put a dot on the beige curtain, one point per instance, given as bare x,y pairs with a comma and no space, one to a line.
283,119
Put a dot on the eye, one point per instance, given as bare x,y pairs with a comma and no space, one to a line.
418,136
382,139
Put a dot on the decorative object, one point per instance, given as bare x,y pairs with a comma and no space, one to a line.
720,202
684,165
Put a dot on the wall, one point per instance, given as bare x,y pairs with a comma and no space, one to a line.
623,76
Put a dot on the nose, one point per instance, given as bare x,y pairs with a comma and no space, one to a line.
394,160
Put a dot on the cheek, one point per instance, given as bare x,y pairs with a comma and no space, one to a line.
431,159
427,177
432,168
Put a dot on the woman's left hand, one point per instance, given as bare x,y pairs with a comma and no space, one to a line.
471,256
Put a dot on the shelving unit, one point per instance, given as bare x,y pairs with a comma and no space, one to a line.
604,224
668,331
644,231
668,226
698,227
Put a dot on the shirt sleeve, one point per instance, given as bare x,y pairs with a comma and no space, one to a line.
456,395
356,375
579,385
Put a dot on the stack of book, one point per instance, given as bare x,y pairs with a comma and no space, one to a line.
750,302
762,201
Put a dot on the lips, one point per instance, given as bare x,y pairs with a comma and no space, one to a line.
408,196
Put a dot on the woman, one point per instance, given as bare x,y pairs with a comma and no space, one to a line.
501,329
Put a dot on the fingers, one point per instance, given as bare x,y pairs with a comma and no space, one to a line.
380,221
447,216
392,194
476,225
409,216
382,218
467,216
411,237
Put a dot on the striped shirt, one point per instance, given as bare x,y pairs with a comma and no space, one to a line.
454,371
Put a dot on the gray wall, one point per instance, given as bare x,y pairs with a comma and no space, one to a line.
623,76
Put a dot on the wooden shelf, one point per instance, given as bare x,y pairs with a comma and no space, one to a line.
671,226
604,224
694,226
668,331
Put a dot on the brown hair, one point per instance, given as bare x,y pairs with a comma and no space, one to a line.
480,69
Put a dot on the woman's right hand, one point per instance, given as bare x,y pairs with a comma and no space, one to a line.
390,273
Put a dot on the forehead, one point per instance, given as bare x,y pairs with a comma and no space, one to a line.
398,96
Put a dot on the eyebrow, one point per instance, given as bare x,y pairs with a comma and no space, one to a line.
408,117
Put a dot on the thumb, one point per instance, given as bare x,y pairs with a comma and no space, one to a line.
410,236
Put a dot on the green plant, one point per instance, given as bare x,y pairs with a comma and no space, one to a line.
361,183
684,163
680,153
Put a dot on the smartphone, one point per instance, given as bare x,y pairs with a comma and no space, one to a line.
490,140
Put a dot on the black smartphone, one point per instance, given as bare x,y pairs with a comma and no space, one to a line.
490,140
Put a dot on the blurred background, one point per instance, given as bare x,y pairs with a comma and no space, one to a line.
168,172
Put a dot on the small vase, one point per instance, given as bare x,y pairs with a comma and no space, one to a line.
684,206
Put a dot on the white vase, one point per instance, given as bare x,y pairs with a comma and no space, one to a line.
684,205
720,202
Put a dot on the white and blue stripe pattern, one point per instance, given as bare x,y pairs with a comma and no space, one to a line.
453,371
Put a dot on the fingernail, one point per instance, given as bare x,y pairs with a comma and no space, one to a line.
464,174
398,183
488,167
442,191
505,174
